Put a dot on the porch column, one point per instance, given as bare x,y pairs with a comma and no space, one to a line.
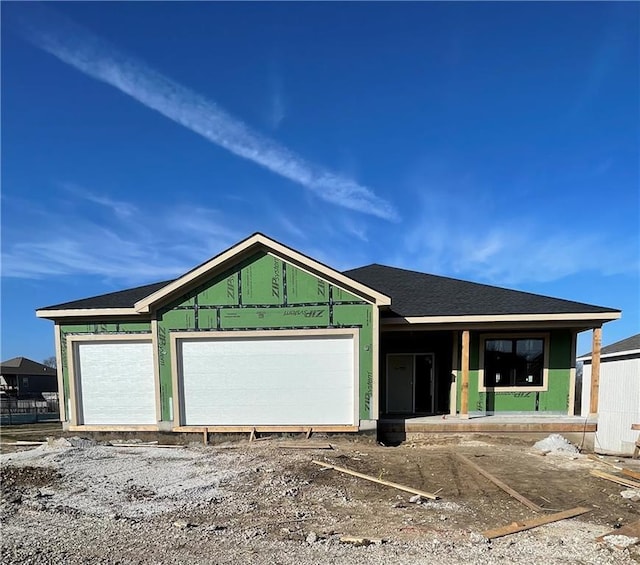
464,388
595,370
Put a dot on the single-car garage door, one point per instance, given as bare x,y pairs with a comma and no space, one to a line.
115,382
271,380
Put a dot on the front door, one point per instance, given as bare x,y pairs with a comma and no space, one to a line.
400,381
410,383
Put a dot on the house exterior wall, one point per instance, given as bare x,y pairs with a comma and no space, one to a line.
260,293
554,400
618,404
266,293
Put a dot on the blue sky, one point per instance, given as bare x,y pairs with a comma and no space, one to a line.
494,142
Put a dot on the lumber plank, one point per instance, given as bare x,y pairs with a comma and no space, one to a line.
398,486
305,446
154,445
113,428
594,457
25,442
535,522
360,541
631,473
265,429
505,487
464,397
635,426
595,369
615,479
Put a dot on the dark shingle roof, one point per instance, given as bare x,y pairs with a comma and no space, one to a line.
24,366
121,299
412,294
419,294
628,344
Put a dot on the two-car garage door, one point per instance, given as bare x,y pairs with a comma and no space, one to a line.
268,380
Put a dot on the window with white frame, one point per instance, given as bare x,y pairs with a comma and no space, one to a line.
514,362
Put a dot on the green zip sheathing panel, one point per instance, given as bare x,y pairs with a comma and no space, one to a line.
554,399
265,293
105,329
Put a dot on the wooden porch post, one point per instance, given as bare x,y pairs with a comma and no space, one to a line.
464,398
595,370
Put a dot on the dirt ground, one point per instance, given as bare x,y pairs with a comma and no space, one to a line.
262,502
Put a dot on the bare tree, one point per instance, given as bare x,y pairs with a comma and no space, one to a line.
50,361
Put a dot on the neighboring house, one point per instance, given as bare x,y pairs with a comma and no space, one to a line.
23,378
262,336
619,395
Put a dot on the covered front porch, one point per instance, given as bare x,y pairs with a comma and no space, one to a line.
494,423
483,378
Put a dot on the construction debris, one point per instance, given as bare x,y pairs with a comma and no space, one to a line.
511,492
360,541
631,473
623,537
555,443
305,446
398,486
615,479
631,494
534,523
603,461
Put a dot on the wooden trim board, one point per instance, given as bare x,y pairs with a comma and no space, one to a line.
615,479
631,473
511,492
398,486
266,429
535,522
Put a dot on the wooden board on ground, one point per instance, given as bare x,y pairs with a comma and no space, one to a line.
534,523
615,479
398,486
25,442
631,473
630,530
594,457
515,494
305,445
360,541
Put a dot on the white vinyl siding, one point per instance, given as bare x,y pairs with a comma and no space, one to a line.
115,383
618,405
274,380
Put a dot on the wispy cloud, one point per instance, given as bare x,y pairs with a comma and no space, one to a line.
118,207
504,246
277,110
85,51
157,242
154,244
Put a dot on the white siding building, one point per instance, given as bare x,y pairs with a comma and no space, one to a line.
619,396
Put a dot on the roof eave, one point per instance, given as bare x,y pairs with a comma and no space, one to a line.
594,317
85,313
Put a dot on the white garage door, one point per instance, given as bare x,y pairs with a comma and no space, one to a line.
116,383
268,381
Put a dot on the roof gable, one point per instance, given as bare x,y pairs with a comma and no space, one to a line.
623,347
143,299
250,246
24,366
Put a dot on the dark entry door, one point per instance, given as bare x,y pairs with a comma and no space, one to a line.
410,383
